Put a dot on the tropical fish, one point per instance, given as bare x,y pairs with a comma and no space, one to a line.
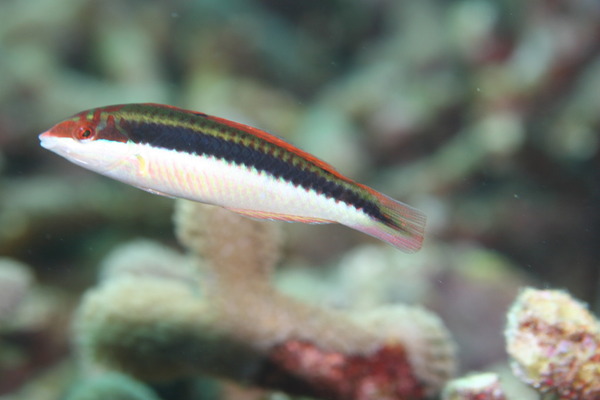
187,154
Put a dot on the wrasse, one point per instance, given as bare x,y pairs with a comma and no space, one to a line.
180,153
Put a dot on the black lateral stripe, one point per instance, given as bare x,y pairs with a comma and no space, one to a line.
193,141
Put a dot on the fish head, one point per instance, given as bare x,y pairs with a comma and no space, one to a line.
90,139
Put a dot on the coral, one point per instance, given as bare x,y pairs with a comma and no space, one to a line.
484,386
513,387
228,320
15,282
33,325
302,367
239,250
554,342
49,383
143,257
152,328
431,354
111,386
441,277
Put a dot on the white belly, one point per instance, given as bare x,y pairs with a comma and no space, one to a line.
213,181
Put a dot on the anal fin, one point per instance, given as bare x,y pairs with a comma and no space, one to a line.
261,215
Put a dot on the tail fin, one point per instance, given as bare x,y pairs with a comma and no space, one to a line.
404,226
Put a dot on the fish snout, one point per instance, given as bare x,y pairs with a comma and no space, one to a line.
47,141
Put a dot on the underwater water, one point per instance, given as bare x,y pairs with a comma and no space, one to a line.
482,114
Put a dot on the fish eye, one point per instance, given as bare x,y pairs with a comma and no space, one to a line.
85,133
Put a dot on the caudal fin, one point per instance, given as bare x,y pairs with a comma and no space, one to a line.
403,226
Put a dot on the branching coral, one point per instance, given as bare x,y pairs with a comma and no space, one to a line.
15,280
111,386
32,325
224,317
555,344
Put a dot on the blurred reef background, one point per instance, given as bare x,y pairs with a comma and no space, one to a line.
482,113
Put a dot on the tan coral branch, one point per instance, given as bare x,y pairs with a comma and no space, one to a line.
230,321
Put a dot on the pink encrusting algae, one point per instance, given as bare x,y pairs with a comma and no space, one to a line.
554,342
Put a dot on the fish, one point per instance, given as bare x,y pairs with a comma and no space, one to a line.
187,154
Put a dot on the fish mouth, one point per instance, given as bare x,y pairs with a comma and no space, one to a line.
47,141
55,144
62,146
